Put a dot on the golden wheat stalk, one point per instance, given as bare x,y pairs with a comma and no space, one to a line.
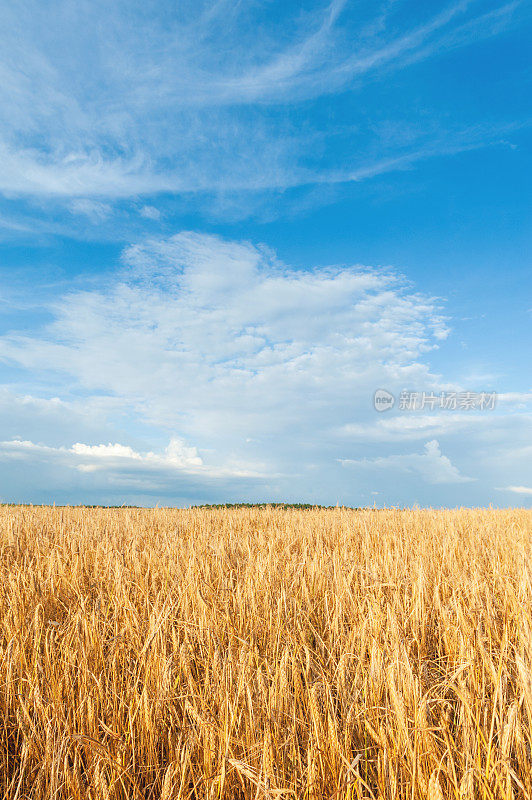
216,653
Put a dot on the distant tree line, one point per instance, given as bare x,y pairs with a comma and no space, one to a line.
300,506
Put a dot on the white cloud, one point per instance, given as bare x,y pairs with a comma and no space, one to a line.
25,415
254,162
93,209
104,451
177,455
406,426
219,338
516,489
105,103
219,344
261,375
150,212
119,459
521,399
431,465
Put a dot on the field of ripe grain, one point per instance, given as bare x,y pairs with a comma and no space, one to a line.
265,654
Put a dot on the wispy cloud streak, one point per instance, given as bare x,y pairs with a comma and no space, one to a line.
100,102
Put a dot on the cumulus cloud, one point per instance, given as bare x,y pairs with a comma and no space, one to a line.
220,344
218,338
516,489
431,465
261,376
176,456
417,425
25,415
117,458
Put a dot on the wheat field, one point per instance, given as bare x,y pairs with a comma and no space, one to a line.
265,653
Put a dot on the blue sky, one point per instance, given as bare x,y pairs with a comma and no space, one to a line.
225,225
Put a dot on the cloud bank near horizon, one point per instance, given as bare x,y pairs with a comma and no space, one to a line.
261,377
